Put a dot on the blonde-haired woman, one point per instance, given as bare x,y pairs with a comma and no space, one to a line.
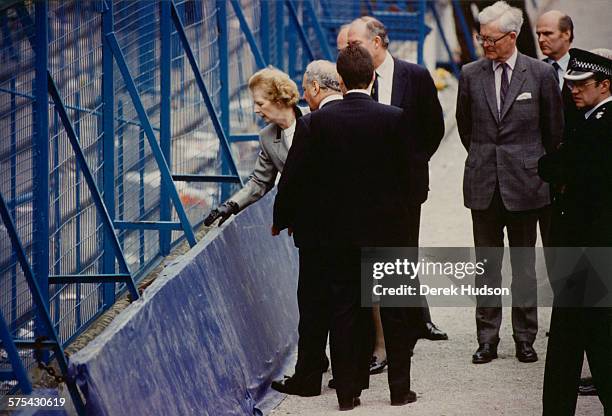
275,98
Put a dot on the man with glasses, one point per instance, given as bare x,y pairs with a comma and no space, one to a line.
582,166
509,114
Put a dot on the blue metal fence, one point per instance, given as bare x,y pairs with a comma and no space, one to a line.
102,104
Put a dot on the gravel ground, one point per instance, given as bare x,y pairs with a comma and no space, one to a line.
446,381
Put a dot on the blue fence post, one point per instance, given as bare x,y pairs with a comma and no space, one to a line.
165,119
224,92
322,38
141,194
57,218
40,175
421,13
108,151
298,31
244,26
291,42
13,200
79,237
453,65
280,34
120,172
19,373
264,28
465,29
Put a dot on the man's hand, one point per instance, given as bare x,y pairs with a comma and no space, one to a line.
224,211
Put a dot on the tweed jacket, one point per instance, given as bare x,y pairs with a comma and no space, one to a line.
503,150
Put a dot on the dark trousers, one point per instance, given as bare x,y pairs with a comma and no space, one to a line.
488,227
572,332
314,310
351,325
399,344
544,222
413,241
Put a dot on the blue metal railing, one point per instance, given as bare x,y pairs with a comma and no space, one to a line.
123,122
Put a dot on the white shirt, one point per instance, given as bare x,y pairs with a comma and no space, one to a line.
329,98
366,92
385,79
288,134
592,110
563,63
497,69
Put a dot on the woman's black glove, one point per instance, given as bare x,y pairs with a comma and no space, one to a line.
224,211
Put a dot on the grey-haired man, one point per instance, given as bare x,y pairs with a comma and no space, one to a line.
321,89
509,114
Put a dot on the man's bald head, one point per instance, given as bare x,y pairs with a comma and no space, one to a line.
342,39
555,31
370,33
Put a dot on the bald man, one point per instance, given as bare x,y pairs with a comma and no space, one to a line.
555,31
410,87
342,39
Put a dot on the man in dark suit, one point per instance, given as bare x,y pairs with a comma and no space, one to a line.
555,31
509,113
321,89
582,165
410,87
345,186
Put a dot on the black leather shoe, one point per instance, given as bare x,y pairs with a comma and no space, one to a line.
402,399
586,387
332,383
349,404
432,333
525,352
325,364
299,386
377,367
485,353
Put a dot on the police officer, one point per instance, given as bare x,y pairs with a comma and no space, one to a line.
582,168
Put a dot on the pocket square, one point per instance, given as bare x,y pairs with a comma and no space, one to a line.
524,96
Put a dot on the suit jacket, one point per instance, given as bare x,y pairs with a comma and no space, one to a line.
270,161
413,90
505,150
345,179
570,112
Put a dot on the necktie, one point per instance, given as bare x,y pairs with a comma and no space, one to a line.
505,85
374,92
557,67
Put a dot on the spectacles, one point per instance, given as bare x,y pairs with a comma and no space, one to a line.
485,39
579,86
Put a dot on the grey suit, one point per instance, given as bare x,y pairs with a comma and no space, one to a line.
507,149
270,162
500,183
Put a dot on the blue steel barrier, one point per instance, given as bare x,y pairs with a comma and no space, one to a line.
148,98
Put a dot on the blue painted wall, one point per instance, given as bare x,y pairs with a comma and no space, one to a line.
208,335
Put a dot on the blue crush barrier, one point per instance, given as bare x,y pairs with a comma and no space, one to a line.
208,335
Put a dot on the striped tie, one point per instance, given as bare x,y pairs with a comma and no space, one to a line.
505,85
